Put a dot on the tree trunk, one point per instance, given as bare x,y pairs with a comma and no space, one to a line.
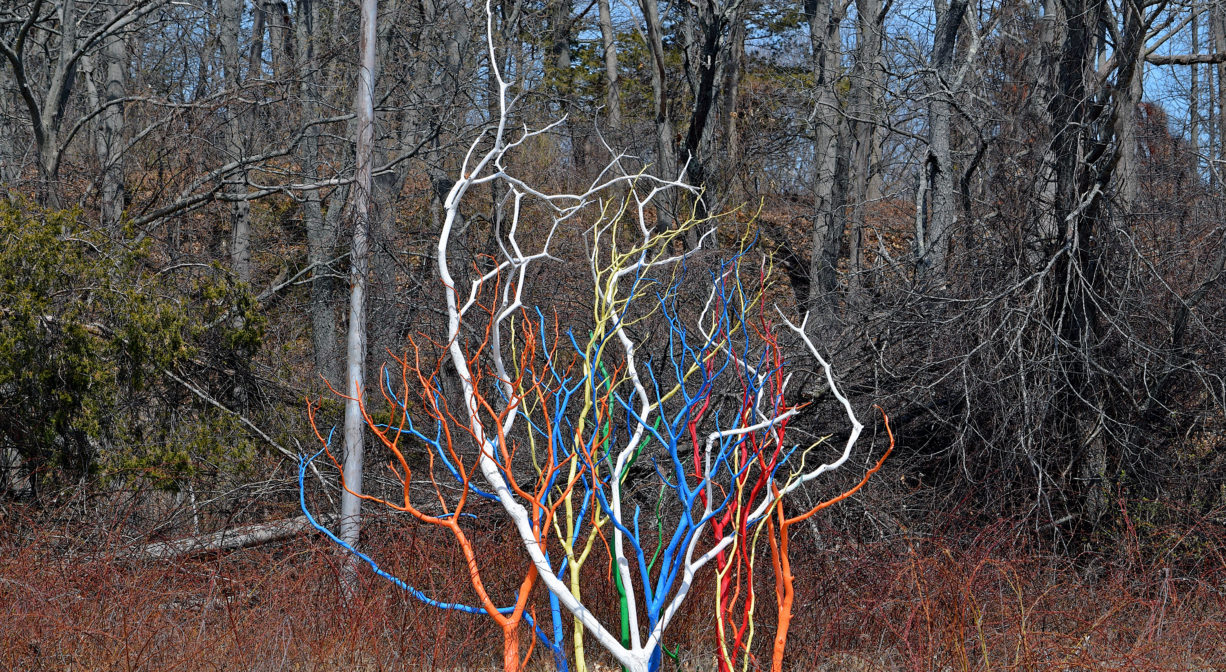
280,38
612,88
865,97
510,647
714,36
558,71
321,228
52,117
255,55
1126,138
1194,92
666,155
110,135
243,536
236,189
359,270
704,56
1219,45
830,179
939,164
830,165
733,65
1041,67
9,152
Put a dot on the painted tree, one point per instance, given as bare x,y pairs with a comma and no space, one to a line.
565,431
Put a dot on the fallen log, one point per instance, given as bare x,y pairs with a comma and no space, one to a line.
243,536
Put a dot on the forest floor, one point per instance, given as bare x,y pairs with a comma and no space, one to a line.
982,601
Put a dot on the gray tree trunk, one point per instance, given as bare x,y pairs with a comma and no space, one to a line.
1041,65
236,190
612,87
558,70
733,66
1194,91
1219,45
280,38
865,96
10,162
1126,135
110,135
713,35
829,183
51,115
255,53
321,229
939,164
355,425
666,151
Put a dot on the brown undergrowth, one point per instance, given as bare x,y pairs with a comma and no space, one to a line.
980,600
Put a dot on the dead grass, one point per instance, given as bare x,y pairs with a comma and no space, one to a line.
983,601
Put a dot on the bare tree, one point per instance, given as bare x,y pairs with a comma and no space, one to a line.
825,17
612,87
359,255
65,33
932,242
864,106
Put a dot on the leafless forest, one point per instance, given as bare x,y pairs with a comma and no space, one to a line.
1005,221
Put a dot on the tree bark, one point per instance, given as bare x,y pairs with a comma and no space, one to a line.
830,178
865,105
110,137
227,540
666,155
714,35
321,228
236,121
612,87
280,38
359,255
1218,14
939,163
1194,91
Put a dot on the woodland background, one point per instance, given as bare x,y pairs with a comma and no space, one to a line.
1006,219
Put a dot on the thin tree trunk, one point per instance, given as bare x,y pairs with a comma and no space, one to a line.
666,153
1126,132
558,69
939,164
612,88
733,65
255,56
1046,229
1219,45
1194,92
704,56
52,113
235,191
321,229
110,136
280,38
865,95
107,132
510,647
359,270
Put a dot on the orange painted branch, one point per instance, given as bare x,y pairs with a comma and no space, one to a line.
415,382
779,550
